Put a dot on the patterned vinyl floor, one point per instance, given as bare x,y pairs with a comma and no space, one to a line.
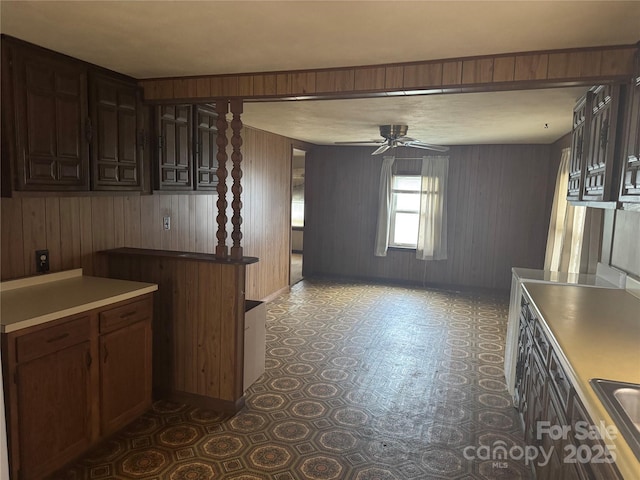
362,382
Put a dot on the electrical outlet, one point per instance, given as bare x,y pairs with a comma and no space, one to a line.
166,223
42,261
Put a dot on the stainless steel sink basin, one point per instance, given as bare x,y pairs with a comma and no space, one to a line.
622,401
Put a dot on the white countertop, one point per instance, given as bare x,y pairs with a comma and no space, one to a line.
598,333
584,279
35,300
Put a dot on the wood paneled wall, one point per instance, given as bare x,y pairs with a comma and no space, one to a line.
505,71
499,207
625,251
74,228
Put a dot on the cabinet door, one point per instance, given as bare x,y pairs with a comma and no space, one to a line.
536,399
630,189
115,155
602,143
206,149
175,161
52,152
125,370
54,409
590,470
579,142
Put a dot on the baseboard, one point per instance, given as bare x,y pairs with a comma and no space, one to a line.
271,297
201,401
409,283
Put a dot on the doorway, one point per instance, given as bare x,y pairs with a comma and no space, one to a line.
297,215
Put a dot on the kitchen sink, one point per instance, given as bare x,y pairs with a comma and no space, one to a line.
622,401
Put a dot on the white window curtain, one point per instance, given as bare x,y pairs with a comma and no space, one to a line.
432,231
384,207
573,242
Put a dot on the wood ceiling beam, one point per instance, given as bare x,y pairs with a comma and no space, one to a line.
584,66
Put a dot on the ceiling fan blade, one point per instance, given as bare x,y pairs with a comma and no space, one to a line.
381,149
427,146
361,142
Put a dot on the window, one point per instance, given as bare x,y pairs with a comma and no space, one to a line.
405,211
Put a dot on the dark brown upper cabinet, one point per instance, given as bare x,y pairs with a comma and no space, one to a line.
47,144
116,132
579,138
630,185
206,148
175,139
187,149
596,145
68,125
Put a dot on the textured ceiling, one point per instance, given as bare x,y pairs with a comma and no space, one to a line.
455,119
176,38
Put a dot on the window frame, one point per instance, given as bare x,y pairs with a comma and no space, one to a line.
394,210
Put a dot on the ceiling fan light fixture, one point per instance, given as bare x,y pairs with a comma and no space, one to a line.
393,131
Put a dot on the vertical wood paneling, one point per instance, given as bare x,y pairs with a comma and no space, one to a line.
477,71
302,82
245,85
282,84
264,84
496,218
422,75
503,69
531,67
118,221
393,77
452,73
53,240
33,231
614,61
86,236
335,80
203,87
369,78
132,221
185,88
625,253
198,325
574,64
12,259
74,228
70,251
557,65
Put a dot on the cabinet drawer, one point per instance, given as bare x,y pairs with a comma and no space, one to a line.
49,340
559,380
123,315
541,342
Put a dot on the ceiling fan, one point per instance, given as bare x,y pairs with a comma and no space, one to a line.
395,136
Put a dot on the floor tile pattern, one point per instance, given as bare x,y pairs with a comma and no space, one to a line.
362,382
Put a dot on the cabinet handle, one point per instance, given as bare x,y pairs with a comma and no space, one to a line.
58,338
127,315
106,354
89,360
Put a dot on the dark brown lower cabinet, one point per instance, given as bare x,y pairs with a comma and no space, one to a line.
54,409
72,381
547,401
125,364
